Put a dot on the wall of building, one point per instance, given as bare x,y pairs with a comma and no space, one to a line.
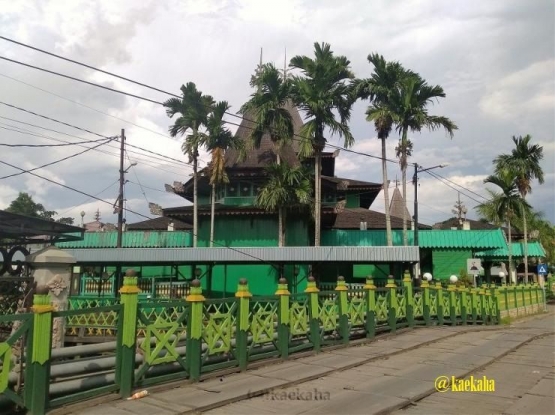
447,262
255,231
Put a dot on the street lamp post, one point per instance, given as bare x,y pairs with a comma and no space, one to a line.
419,169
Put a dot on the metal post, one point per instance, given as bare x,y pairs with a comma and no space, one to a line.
415,182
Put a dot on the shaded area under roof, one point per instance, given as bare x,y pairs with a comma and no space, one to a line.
160,224
19,229
535,249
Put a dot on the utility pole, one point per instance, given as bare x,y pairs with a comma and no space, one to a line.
121,185
118,274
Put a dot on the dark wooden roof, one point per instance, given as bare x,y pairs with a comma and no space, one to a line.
397,207
158,224
477,225
266,153
346,184
350,218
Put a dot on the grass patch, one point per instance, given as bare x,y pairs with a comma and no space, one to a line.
506,321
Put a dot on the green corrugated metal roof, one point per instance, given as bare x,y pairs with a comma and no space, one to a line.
132,239
535,249
483,239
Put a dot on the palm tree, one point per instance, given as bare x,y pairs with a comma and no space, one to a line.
267,107
193,109
524,162
412,115
217,140
503,206
379,88
287,188
323,89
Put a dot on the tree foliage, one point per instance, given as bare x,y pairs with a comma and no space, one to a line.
24,205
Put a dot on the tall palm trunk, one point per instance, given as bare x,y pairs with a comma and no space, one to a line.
404,179
510,252
281,226
195,201
386,196
317,197
212,214
525,246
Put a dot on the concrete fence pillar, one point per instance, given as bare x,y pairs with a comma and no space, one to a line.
52,268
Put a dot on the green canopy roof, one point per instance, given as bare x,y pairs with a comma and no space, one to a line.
436,238
535,249
132,239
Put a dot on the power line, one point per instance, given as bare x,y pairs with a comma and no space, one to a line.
126,209
45,145
84,105
87,131
448,185
169,93
462,187
143,161
57,161
86,200
79,80
137,177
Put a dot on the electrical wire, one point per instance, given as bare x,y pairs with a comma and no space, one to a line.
86,200
84,105
57,161
125,209
299,137
89,131
462,187
81,138
143,161
137,177
45,145
448,185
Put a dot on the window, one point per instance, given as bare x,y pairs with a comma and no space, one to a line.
231,190
245,189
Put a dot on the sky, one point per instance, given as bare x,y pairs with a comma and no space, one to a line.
495,60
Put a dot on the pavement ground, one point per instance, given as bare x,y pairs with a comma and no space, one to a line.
395,374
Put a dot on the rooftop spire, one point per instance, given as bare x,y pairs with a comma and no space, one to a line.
285,65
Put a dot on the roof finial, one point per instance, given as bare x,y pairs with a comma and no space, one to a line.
285,65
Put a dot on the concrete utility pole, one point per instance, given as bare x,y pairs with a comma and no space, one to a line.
121,186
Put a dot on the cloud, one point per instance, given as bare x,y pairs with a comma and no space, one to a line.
494,60
525,94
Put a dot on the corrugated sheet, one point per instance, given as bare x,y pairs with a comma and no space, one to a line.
243,255
535,249
131,239
482,239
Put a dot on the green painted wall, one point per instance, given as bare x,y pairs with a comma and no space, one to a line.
353,201
254,231
447,262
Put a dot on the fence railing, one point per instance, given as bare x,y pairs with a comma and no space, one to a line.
165,340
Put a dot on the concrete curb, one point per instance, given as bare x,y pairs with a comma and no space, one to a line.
76,407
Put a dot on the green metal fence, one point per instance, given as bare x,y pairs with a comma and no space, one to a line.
161,341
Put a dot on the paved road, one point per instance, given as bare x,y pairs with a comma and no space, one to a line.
396,374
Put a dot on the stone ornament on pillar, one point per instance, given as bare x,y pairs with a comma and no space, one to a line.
52,271
57,285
